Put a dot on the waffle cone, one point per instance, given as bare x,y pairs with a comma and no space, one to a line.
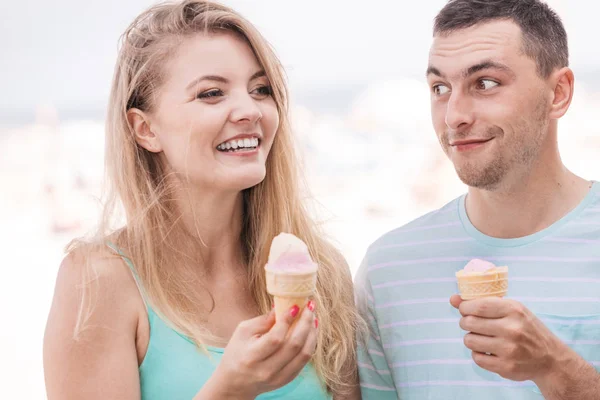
284,304
493,283
289,289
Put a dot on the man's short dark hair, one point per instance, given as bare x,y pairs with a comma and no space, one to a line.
544,36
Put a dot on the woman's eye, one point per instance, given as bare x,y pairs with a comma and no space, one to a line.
210,94
263,91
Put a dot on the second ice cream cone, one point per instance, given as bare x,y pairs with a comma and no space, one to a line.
492,283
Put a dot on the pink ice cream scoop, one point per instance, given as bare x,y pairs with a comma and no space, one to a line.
290,254
477,265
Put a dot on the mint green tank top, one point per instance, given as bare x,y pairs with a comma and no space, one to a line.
175,369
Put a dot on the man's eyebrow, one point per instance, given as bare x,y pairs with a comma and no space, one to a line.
487,64
431,70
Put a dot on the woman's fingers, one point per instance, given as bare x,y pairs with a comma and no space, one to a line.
293,367
297,339
273,340
257,326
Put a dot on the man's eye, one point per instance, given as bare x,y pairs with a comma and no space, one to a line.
486,84
440,90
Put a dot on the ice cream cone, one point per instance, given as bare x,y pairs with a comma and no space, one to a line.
289,289
291,274
483,284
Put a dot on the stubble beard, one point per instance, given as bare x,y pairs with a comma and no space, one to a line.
517,156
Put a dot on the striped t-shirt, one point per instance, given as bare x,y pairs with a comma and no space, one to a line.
416,350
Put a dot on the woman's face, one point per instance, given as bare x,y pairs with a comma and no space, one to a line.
214,118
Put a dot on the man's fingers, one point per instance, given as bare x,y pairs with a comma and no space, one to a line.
455,300
486,361
481,326
482,344
486,307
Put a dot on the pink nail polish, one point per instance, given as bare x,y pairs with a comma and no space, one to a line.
316,323
311,305
294,311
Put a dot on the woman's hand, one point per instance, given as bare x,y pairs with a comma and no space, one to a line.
262,356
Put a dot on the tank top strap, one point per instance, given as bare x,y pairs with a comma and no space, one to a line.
134,273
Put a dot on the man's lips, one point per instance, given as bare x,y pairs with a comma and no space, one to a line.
469,144
469,141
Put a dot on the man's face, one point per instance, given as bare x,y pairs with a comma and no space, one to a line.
489,105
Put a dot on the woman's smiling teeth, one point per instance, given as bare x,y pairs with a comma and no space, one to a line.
239,145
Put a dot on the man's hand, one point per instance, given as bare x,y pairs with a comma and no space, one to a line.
508,339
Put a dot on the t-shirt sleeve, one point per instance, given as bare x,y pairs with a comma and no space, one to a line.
376,380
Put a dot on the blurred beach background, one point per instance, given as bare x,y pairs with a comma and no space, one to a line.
360,108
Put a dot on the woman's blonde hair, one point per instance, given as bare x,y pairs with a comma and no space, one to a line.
137,184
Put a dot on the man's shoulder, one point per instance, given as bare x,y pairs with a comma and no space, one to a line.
427,225
595,203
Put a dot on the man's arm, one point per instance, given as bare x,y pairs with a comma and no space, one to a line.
508,339
570,378
376,380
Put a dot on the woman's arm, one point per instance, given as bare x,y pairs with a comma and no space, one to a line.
102,362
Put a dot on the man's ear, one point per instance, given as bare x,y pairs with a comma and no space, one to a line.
563,81
144,136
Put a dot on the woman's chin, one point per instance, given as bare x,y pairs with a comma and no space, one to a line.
246,180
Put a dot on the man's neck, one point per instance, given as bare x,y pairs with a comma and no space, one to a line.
536,202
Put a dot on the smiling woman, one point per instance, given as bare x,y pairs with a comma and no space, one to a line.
173,305
215,95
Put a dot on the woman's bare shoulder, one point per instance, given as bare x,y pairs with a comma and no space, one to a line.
96,267
94,280
91,328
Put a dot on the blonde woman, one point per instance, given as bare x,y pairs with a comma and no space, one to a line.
174,305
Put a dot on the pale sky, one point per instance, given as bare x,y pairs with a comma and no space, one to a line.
62,52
